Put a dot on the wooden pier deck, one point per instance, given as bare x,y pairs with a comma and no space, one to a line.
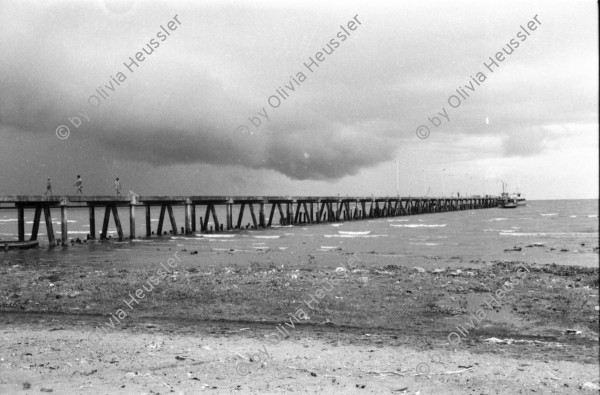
292,210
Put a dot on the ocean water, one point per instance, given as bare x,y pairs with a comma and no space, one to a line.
559,231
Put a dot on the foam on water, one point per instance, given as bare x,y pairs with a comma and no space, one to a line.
354,236
550,234
209,236
419,226
366,232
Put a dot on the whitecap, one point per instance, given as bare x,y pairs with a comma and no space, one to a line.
213,236
354,236
419,226
354,233
551,234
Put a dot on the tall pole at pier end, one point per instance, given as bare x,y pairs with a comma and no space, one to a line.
397,178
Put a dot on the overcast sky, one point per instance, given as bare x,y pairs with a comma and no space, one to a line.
172,124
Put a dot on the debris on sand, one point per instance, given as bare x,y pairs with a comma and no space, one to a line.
589,386
494,340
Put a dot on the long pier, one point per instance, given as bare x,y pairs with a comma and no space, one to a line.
292,210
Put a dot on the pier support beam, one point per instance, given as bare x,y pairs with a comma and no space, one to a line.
36,223
290,213
132,219
21,220
261,214
148,221
172,218
271,214
188,217
49,230
64,233
161,219
105,223
229,215
215,219
117,222
240,216
193,214
92,211
251,207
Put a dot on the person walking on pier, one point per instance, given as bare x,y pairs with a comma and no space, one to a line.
79,185
118,186
48,188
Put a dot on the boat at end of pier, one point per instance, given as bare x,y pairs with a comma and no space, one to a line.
521,201
510,200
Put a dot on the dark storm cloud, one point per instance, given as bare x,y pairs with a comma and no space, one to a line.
183,103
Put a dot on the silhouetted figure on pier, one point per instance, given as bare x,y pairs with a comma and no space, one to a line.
118,186
48,188
79,185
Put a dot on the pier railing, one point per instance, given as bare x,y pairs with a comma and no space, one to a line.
291,210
